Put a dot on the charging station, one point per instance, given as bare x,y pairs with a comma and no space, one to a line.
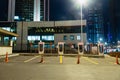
100,49
89,48
61,51
80,48
60,48
41,47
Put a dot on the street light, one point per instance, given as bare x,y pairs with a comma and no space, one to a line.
80,3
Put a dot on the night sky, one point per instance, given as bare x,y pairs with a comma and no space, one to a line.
62,10
66,10
3,10
59,10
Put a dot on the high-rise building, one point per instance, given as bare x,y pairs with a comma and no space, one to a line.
3,10
27,10
115,19
111,21
95,28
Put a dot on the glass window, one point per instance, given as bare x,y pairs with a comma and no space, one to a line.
65,37
71,37
14,38
48,38
16,17
6,28
33,37
78,37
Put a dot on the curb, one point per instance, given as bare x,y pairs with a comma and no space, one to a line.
9,55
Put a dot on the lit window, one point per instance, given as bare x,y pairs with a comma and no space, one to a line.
16,17
6,28
48,38
71,37
33,37
78,37
65,37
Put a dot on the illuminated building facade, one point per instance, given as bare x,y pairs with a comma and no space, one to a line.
27,10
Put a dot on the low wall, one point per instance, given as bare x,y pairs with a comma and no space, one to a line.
4,49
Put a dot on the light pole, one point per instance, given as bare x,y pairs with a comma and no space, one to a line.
81,5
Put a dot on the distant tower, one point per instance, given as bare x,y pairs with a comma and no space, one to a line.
28,10
95,32
37,10
11,10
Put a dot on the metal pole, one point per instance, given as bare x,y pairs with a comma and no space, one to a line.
48,9
81,22
44,10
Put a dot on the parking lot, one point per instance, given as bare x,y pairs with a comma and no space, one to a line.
106,60
29,68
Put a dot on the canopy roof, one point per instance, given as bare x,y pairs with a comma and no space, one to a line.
5,32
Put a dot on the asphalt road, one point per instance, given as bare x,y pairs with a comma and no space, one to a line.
29,68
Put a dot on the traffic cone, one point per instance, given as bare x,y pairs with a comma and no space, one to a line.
42,60
6,58
78,60
117,62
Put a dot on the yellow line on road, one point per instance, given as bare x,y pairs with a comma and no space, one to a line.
31,59
90,60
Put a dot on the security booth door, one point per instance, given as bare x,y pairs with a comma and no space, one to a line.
80,48
60,48
100,49
41,47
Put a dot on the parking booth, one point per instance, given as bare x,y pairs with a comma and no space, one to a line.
80,48
89,48
41,47
61,51
100,49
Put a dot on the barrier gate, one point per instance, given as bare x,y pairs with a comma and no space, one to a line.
41,47
80,48
60,48
100,49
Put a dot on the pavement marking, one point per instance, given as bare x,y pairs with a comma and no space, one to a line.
86,58
31,59
113,58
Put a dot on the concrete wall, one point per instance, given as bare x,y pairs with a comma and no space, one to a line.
3,50
70,23
22,29
60,38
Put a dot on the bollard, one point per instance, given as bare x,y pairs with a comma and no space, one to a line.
78,60
6,58
117,62
61,59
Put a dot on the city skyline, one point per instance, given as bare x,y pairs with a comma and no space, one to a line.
65,10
